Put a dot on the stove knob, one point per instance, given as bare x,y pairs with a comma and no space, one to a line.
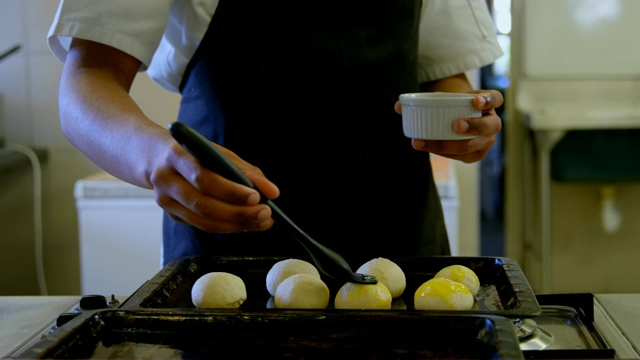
113,302
93,302
65,318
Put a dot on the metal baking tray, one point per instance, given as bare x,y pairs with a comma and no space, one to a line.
565,329
504,289
122,334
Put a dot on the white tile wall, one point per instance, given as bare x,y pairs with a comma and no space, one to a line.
29,115
44,74
12,69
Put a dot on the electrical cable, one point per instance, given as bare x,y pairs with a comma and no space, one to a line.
37,211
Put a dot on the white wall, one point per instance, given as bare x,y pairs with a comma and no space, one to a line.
28,86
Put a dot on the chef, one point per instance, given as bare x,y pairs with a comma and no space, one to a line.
301,95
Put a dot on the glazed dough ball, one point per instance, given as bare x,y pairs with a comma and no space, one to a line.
218,290
285,268
386,272
302,291
363,296
442,294
463,275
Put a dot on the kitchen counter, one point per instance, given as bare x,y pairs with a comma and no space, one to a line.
617,317
22,318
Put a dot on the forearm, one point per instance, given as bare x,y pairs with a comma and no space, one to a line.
99,117
455,83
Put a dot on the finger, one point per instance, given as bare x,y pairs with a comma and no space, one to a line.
253,173
183,215
208,182
174,192
212,215
487,99
198,204
397,107
455,148
486,125
259,180
467,158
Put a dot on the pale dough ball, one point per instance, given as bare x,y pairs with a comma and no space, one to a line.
398,304
302,291
363,296
442,294
218,290
386,272
463,275
285,268
271,303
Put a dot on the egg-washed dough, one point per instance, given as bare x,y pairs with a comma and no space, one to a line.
442,294
463,275
363,296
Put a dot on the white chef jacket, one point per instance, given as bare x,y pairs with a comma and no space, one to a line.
455,35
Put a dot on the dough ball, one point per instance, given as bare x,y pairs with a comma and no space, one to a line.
271,303
302,291
218,290
463,275
363,296
442,294
386,272
285,268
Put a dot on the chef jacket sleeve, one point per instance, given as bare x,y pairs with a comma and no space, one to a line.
455,36
134,27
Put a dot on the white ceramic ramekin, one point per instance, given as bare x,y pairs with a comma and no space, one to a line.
430,116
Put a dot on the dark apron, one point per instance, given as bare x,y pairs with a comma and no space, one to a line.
305,91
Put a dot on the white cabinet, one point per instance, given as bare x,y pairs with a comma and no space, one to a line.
120,235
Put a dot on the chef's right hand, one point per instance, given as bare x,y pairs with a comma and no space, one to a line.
100,118
194,195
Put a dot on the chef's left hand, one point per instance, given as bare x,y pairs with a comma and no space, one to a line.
486,127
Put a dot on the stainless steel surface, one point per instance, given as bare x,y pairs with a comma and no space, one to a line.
525,327
617,318
540,340
24,317
558,327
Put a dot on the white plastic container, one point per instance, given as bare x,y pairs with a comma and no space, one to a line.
447,183
120,231
431,115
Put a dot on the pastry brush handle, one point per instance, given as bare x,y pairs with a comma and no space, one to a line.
327,260
213,159
207,154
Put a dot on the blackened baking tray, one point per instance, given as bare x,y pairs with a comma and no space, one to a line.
108,334
504,289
